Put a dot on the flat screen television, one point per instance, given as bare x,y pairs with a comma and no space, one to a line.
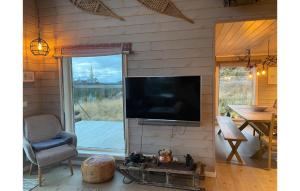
163,98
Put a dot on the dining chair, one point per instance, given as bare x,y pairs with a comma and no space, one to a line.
274,106
270,140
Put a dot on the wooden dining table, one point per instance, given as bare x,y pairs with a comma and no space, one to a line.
251,118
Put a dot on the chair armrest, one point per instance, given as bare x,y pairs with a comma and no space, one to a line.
29,151
74,137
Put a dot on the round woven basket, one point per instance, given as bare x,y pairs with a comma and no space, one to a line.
98,169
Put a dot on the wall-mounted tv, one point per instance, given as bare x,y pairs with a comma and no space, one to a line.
163,98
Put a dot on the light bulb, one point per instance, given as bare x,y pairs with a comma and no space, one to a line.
250,76
263,72
258,73
40,47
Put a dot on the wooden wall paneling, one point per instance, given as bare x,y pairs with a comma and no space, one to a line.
30,90
267,93
229,36
224,31
235,37
244,37
163,45
238,35
259,35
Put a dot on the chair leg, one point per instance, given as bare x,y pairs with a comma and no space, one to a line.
253,132
40,176
71,167
30,169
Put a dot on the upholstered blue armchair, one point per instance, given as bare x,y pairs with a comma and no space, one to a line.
45,143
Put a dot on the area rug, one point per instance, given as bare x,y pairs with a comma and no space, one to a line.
29,184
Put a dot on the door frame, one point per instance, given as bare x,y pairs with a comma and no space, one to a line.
67,108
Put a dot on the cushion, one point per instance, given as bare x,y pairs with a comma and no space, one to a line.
59,139
41,127
55,154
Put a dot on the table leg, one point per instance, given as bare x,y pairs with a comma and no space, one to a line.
243,126
259,153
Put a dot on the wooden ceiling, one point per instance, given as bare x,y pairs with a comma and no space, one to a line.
232,39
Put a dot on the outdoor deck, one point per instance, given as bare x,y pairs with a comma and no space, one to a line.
100,135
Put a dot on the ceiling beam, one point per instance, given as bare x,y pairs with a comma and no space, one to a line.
236,58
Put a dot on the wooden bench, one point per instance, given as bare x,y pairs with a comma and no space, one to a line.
231,133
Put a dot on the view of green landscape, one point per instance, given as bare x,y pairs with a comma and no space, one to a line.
235,87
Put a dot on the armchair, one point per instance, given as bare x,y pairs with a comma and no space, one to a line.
45,143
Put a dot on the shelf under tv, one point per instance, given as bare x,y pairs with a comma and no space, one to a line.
168,122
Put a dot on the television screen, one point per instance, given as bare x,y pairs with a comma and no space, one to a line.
166,98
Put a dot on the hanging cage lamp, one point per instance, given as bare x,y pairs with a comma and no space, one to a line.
38,46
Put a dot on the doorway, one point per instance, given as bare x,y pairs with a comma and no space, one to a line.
96,102
241,78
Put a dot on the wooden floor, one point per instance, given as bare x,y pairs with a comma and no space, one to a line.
230,176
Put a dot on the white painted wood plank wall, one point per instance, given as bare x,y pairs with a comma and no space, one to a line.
30,90
163,45
267,93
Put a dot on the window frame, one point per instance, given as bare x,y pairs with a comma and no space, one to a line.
67,109
217,80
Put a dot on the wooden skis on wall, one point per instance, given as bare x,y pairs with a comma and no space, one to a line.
166,7
96,7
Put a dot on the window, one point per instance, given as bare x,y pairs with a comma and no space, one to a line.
97,102
236,86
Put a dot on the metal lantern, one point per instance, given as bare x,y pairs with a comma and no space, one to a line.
39,47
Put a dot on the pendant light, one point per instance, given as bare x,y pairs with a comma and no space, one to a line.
250,65
250,75
263,72
269,61
38,46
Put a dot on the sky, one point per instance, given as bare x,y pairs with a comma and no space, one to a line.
107,69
